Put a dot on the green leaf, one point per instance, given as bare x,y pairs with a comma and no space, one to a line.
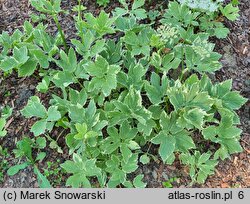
138,182
131,107
224,88
233,145
127,133
139,13
39,127
122,140
144,159
67,62
117,178
138,44
20,54
134,77
170,62
102,2
83,134
133,145
102,24
81,169
82,130
8,63
167,144
20,57
27,68
76,114
184,142
156,111
221,32
147,128
182,95
126,152
201,166
53,114
3,132
209,132
104,75
91,138
78,97
156,60
15,169
41,58
44,85
131,38
137,4
157,89
233,100
69,167
41,142
179,15
229,132
42,180
34,108
50,7
40,156
24,146
6,112
195,117
77,181
134,102
222,153
131,165
203,158
231,12
63,79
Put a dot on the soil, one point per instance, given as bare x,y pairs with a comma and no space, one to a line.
235,50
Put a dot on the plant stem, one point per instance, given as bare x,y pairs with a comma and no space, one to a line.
80,84
149,148
61,32
79,10
182,64
60,135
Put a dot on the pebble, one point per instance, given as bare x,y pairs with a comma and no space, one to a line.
165,176
155,175
32,87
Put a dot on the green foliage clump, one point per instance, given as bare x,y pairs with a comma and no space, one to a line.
4,115
54,173
204,15
140,86
25,149
102,2
206,5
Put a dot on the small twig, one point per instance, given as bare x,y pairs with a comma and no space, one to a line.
60,135
8,123
244,141
231,42
149,147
